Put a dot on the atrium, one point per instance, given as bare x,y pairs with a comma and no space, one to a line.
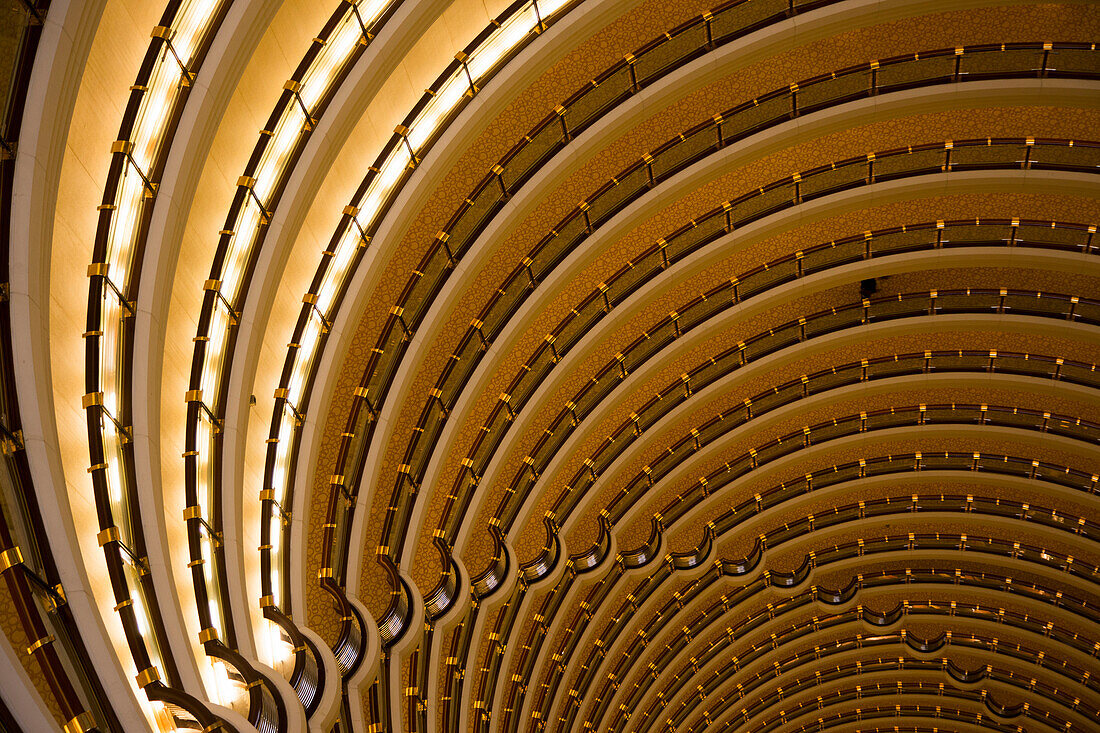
618,366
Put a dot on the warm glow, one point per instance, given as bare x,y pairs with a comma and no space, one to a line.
384,183
316,82
442,104
502,40
446,100
162,717
278,649
228,690
131,198
548,7
162,91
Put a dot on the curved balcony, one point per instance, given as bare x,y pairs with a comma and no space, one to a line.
1003,677
723,363
797,531
851,550
866,672
567,635
402,323
486,582
608,200
863,312
724,24
921,698
708,305
1033,365
546,562
690,315
716,650
853,514
364,414
917,415
70,687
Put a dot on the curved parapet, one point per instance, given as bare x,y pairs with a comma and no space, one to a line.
643,555
545,563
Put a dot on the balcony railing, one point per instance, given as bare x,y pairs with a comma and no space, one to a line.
956,155
852,515
908,238
796,331
434,270
356,444
939,234
305,98
477,64
725,23
932,414
863,312
710,624
667,616
871,465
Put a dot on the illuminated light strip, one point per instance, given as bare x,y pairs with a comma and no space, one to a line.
305,98
155,103
362,217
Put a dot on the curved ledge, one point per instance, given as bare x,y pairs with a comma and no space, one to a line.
761,624
793,393
727,364
643,555
544,566
627,309
750,569
951,420
399,616
843,657
480,337
752,563
916,697
642,697
592,559
369,481
804,284
874,622
442,599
